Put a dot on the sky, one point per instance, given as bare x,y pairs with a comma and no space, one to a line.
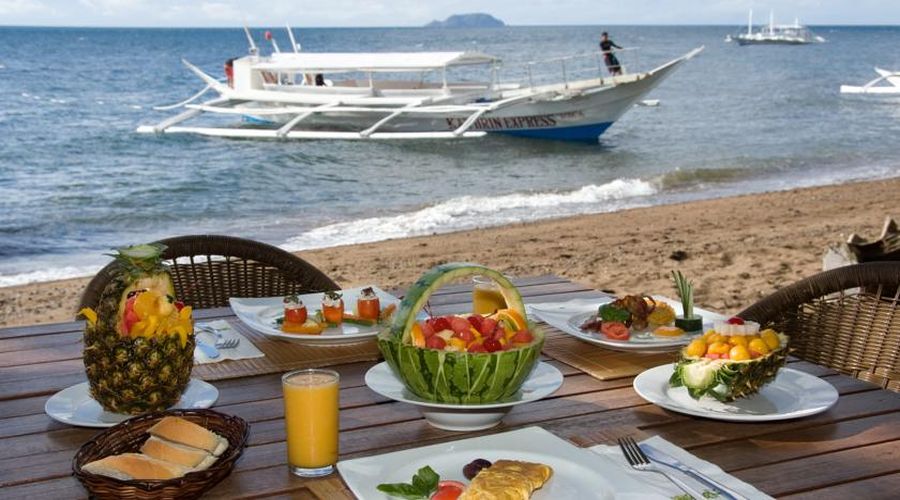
363,13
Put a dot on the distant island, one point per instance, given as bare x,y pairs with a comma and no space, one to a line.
477,20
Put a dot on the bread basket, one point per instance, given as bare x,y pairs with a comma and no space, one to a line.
129,435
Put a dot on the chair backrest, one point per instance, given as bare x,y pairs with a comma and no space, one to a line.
208,269
846,318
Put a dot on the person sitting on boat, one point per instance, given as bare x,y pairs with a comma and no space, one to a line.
229,71
320,80
606,46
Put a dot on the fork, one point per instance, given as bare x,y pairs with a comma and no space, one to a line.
639,461
221,341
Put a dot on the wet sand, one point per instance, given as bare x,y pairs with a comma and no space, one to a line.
736,249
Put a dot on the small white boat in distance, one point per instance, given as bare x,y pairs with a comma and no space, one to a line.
307,95
775,34
889,79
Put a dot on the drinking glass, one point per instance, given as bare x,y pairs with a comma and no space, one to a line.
311,420
486,296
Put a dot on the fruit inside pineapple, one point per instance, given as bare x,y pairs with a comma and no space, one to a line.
729,367
138,344
158,284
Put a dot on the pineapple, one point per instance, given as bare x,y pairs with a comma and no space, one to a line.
139,343
729,371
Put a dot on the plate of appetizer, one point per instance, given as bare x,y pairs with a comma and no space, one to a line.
328,318
735,372
633,322
525,463
629,323
75,406
543,381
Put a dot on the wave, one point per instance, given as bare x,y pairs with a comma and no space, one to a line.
678,178
48,274
468,212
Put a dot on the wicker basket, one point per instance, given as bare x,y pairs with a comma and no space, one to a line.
131,434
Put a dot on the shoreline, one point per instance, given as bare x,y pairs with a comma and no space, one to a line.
736,249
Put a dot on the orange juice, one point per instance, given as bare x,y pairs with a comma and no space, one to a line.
486,296
311,420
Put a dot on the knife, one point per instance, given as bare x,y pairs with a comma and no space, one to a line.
664,458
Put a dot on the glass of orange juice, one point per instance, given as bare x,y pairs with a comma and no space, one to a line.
311,420
486,296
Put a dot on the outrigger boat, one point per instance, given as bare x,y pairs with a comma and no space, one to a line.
775,34
891,78
286,95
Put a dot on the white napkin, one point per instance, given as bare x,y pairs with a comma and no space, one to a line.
244,350
662,487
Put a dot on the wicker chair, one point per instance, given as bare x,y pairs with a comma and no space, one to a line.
209,269
846,318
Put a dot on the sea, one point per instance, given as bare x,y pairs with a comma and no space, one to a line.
76,180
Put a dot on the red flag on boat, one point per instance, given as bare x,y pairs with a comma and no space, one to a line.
268,35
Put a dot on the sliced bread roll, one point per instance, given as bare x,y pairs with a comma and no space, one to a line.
135,466
186,456
181,431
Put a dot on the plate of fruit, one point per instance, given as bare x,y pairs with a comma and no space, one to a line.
543,381
328,318
735,372
138,347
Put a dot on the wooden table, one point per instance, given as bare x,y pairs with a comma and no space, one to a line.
851,451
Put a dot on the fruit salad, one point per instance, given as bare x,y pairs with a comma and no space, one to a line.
501,331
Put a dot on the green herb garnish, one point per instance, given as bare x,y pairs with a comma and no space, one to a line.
609,312
685,290
424,483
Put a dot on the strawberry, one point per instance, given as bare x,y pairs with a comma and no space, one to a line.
734,320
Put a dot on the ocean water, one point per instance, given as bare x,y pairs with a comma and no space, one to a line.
75,179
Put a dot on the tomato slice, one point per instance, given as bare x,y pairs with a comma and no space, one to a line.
447,490
615,330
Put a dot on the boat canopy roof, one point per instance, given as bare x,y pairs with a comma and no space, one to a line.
338,62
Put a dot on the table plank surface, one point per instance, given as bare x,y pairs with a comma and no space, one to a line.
853,450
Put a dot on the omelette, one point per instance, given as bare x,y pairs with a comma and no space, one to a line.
507,480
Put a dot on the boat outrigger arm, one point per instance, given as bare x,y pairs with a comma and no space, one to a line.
276,91
891,78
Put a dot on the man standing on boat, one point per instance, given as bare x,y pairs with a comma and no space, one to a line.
606,46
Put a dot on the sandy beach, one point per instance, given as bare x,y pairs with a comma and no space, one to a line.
735,249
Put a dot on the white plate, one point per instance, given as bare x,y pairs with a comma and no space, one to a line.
261,314
793,394
75,406
577,473
544,380
569,316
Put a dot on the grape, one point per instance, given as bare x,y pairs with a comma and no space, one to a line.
474,467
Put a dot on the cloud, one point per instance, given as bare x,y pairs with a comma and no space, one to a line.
221,11
23,7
